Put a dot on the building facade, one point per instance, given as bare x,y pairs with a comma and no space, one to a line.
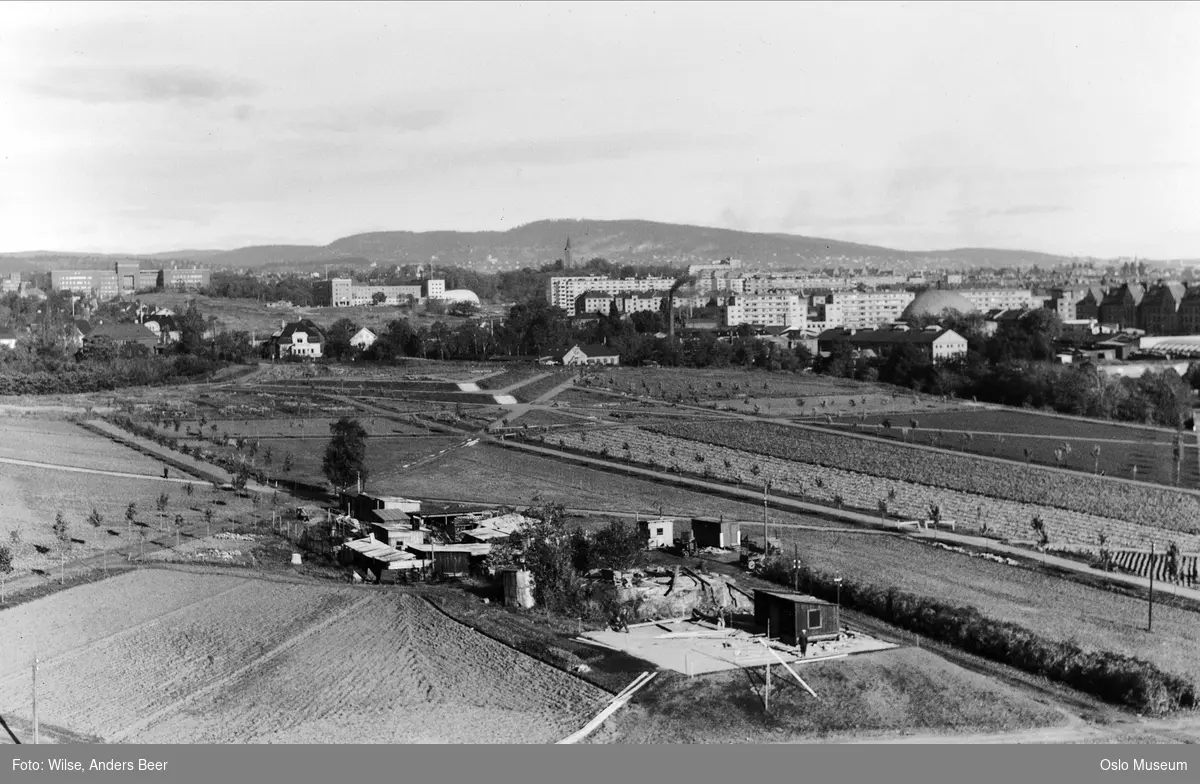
127,278
563,291
869,309
345,293
770,310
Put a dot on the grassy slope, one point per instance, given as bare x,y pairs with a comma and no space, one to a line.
901,691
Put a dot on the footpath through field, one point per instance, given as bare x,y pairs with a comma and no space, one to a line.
75,469
517,410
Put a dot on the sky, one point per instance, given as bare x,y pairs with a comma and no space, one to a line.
1069,128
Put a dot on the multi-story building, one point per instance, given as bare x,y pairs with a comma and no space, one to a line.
869,309
1000,299
183,279
1088,306
563,291
769,310
344,293
1189,312
1159,310
641,302
126,279
724,265
1120,306
592,302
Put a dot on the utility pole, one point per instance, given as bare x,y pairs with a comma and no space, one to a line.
767,698
35,674
1150,607
766,486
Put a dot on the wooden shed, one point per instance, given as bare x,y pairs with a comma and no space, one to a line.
518,587
657,533
789,613
716,532
450,560
396,534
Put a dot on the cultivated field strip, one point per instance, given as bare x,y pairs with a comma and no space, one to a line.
393,671
166,661
66,624
175,657
825,484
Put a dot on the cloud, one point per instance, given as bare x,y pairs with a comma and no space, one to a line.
582,149
139,85
379,117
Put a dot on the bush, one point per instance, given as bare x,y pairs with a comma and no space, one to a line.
1113,677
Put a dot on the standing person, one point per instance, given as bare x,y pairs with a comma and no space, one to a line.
803,643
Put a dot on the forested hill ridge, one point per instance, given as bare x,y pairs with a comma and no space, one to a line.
635,242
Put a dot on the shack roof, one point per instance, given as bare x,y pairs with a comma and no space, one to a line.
390,516
381,552
390,525
425,550
487,534
793,597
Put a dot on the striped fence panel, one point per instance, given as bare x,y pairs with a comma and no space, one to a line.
1139,561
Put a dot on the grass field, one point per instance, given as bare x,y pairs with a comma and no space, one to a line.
1009,433
30,497
902,691
61,442
1056,608
158,656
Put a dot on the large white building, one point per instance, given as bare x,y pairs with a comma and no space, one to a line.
867,309
344,293
564,291
1001,299
769,310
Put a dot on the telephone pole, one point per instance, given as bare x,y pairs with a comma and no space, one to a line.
766,547
1150,607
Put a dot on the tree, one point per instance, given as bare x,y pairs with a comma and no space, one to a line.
288,462
6,566
95,518
191,330
62,532
130,516
162,502
618,545
345,462
544,547
208,518
1043,536
378,298
337,338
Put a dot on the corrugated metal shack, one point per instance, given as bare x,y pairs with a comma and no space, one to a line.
450,560
381,560
789,613
716,532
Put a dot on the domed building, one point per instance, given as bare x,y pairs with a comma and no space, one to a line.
935,302
454,296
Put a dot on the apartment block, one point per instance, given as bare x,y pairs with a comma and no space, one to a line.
564,291
770,310
869,309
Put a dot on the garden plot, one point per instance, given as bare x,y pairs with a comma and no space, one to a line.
160,656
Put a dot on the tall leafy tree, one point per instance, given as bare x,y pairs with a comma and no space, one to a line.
337,338
346,454
191,330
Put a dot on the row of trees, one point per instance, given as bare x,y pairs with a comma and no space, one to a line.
1016,367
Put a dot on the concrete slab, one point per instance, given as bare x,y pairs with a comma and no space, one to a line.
697,648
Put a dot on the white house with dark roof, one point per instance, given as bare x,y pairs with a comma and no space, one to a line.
297,339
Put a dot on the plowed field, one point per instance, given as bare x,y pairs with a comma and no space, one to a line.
161,656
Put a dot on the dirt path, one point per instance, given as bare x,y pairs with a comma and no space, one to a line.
516,411
122,474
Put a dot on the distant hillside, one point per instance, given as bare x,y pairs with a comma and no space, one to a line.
622,241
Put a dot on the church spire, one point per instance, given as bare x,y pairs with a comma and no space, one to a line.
567,254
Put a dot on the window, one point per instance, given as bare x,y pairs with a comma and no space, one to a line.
660,532
814,619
